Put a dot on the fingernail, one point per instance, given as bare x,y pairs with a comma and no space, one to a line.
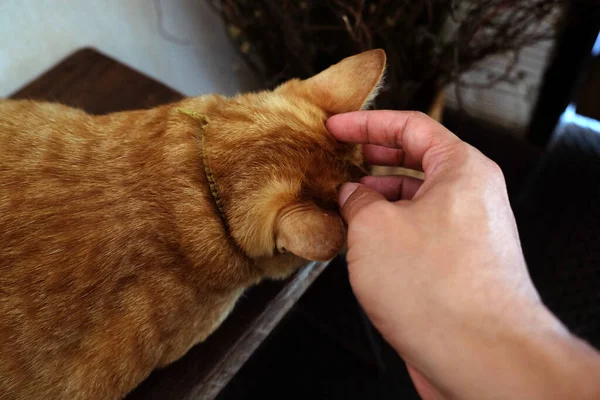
346,191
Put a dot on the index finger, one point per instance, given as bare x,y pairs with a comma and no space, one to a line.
413,132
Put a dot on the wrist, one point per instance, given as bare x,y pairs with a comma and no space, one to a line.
536,358
571,367
540,359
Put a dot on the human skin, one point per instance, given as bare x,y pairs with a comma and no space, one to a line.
438,267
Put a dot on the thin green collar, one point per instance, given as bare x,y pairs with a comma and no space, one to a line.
214,188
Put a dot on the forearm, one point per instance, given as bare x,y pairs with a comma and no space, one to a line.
532,358
570,368
438,267
531,363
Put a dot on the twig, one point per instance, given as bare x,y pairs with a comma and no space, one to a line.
295,38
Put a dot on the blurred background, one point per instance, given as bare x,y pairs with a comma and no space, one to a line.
519,79
180,43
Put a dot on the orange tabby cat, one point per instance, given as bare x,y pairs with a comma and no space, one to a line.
125,239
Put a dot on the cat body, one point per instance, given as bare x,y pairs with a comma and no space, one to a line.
125,239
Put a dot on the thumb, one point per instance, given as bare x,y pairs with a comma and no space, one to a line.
354,196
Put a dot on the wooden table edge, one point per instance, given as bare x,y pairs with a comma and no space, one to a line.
260,329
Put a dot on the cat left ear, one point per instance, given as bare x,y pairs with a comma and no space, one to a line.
349,85
310,232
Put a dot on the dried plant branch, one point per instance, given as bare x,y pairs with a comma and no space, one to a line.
285,39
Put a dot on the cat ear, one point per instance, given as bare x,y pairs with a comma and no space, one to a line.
310,232
350,85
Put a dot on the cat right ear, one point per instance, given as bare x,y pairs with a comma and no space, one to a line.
309,232
349,85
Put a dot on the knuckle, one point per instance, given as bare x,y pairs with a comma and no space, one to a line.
464,152
417,119
419,115
494,170
456,152
488,168
476,159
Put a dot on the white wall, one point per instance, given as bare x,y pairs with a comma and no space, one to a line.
506,105
182,43
189,52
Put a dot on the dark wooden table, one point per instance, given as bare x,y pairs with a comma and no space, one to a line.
99,85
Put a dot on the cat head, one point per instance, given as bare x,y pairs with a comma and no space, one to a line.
277,167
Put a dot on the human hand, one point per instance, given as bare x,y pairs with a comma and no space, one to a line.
437,265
